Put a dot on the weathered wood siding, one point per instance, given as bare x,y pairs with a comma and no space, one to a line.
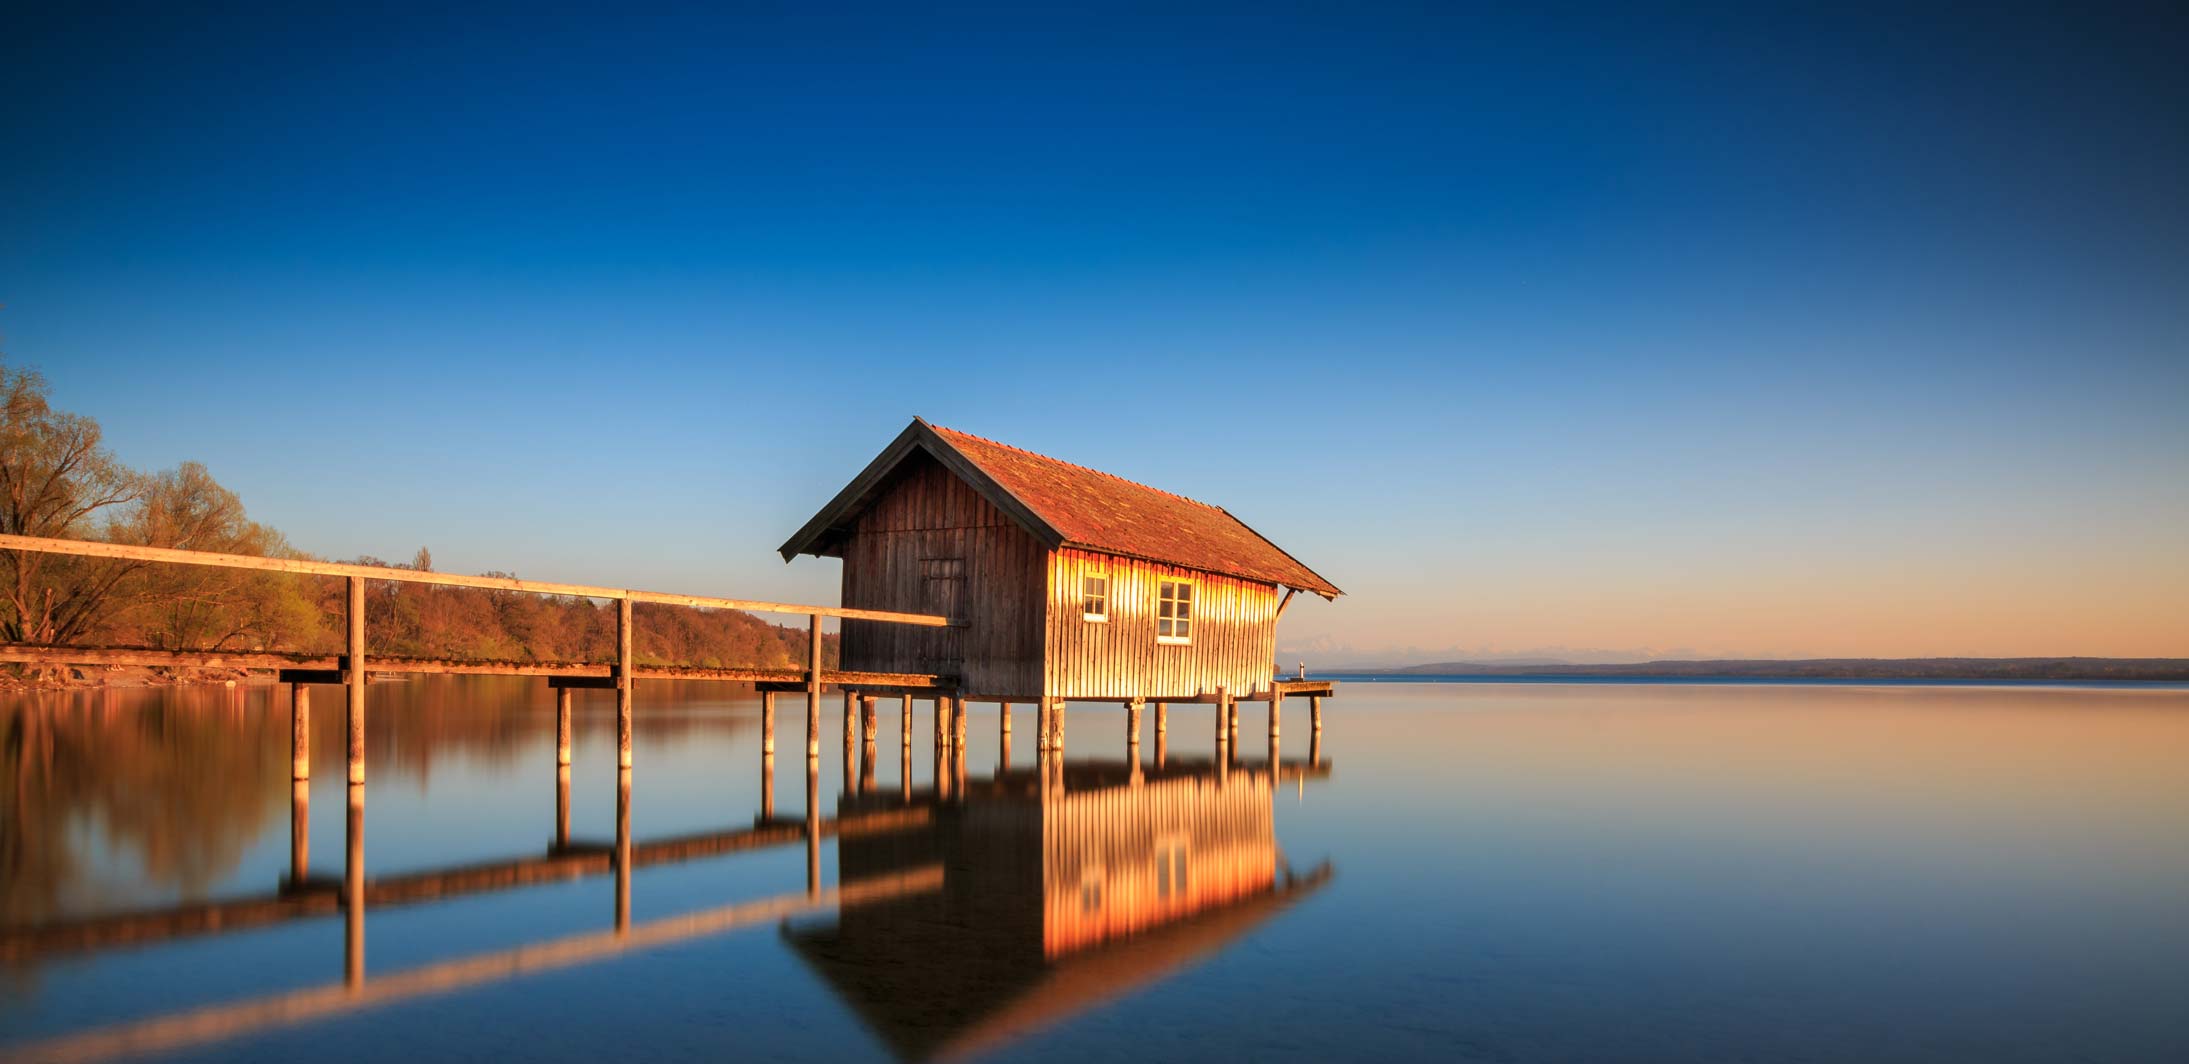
1234,633
1125,859
931,544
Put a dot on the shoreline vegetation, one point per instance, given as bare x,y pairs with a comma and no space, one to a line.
57,481
2115,670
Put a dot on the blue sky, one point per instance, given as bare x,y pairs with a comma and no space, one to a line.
1606,332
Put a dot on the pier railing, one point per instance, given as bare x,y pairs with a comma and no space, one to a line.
354,667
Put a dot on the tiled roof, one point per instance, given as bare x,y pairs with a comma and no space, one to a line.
1101,512
1073,506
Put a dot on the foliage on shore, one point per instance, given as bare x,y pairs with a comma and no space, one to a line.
58,481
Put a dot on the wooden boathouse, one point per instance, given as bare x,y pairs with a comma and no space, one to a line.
1073,584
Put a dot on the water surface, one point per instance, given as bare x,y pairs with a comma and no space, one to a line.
1497,872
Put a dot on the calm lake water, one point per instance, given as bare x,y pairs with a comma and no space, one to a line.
1496,872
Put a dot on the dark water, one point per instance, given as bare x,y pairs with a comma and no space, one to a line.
1487,872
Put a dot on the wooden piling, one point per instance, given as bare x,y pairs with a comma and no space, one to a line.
1276,723
851,719
767,723
767,786
300,732
813,689
563,697
1132,728
904,726
300,831
1162,732
1056,722
813,826
356,677
562,805
904,769
957,707
1041,724
1003,738
1223,709
870,718
1315,713
626,681
353,891
623,850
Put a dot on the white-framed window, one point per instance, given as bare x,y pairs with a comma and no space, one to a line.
1094,596
1170,867
1174,611
1090,890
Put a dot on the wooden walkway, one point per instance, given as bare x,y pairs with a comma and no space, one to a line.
354,668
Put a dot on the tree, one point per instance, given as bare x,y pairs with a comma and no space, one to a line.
54,480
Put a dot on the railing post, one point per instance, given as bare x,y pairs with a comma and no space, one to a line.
356,678
626,682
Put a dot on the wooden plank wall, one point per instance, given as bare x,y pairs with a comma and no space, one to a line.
1100,877
898,553
1234,633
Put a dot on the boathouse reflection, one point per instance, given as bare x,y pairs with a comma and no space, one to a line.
1061,890
964,915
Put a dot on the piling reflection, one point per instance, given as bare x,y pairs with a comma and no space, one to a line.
1063,888
964,913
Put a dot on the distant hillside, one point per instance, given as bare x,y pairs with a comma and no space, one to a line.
2175,669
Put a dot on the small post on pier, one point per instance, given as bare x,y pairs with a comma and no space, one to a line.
355,607
813,690
353,891
626,683
562,805
767,723
563,697
300,831
623,851
300,732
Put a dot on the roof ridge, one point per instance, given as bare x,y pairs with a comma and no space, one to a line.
1083,469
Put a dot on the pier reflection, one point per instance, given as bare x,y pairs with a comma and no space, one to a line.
964,914
1063,888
